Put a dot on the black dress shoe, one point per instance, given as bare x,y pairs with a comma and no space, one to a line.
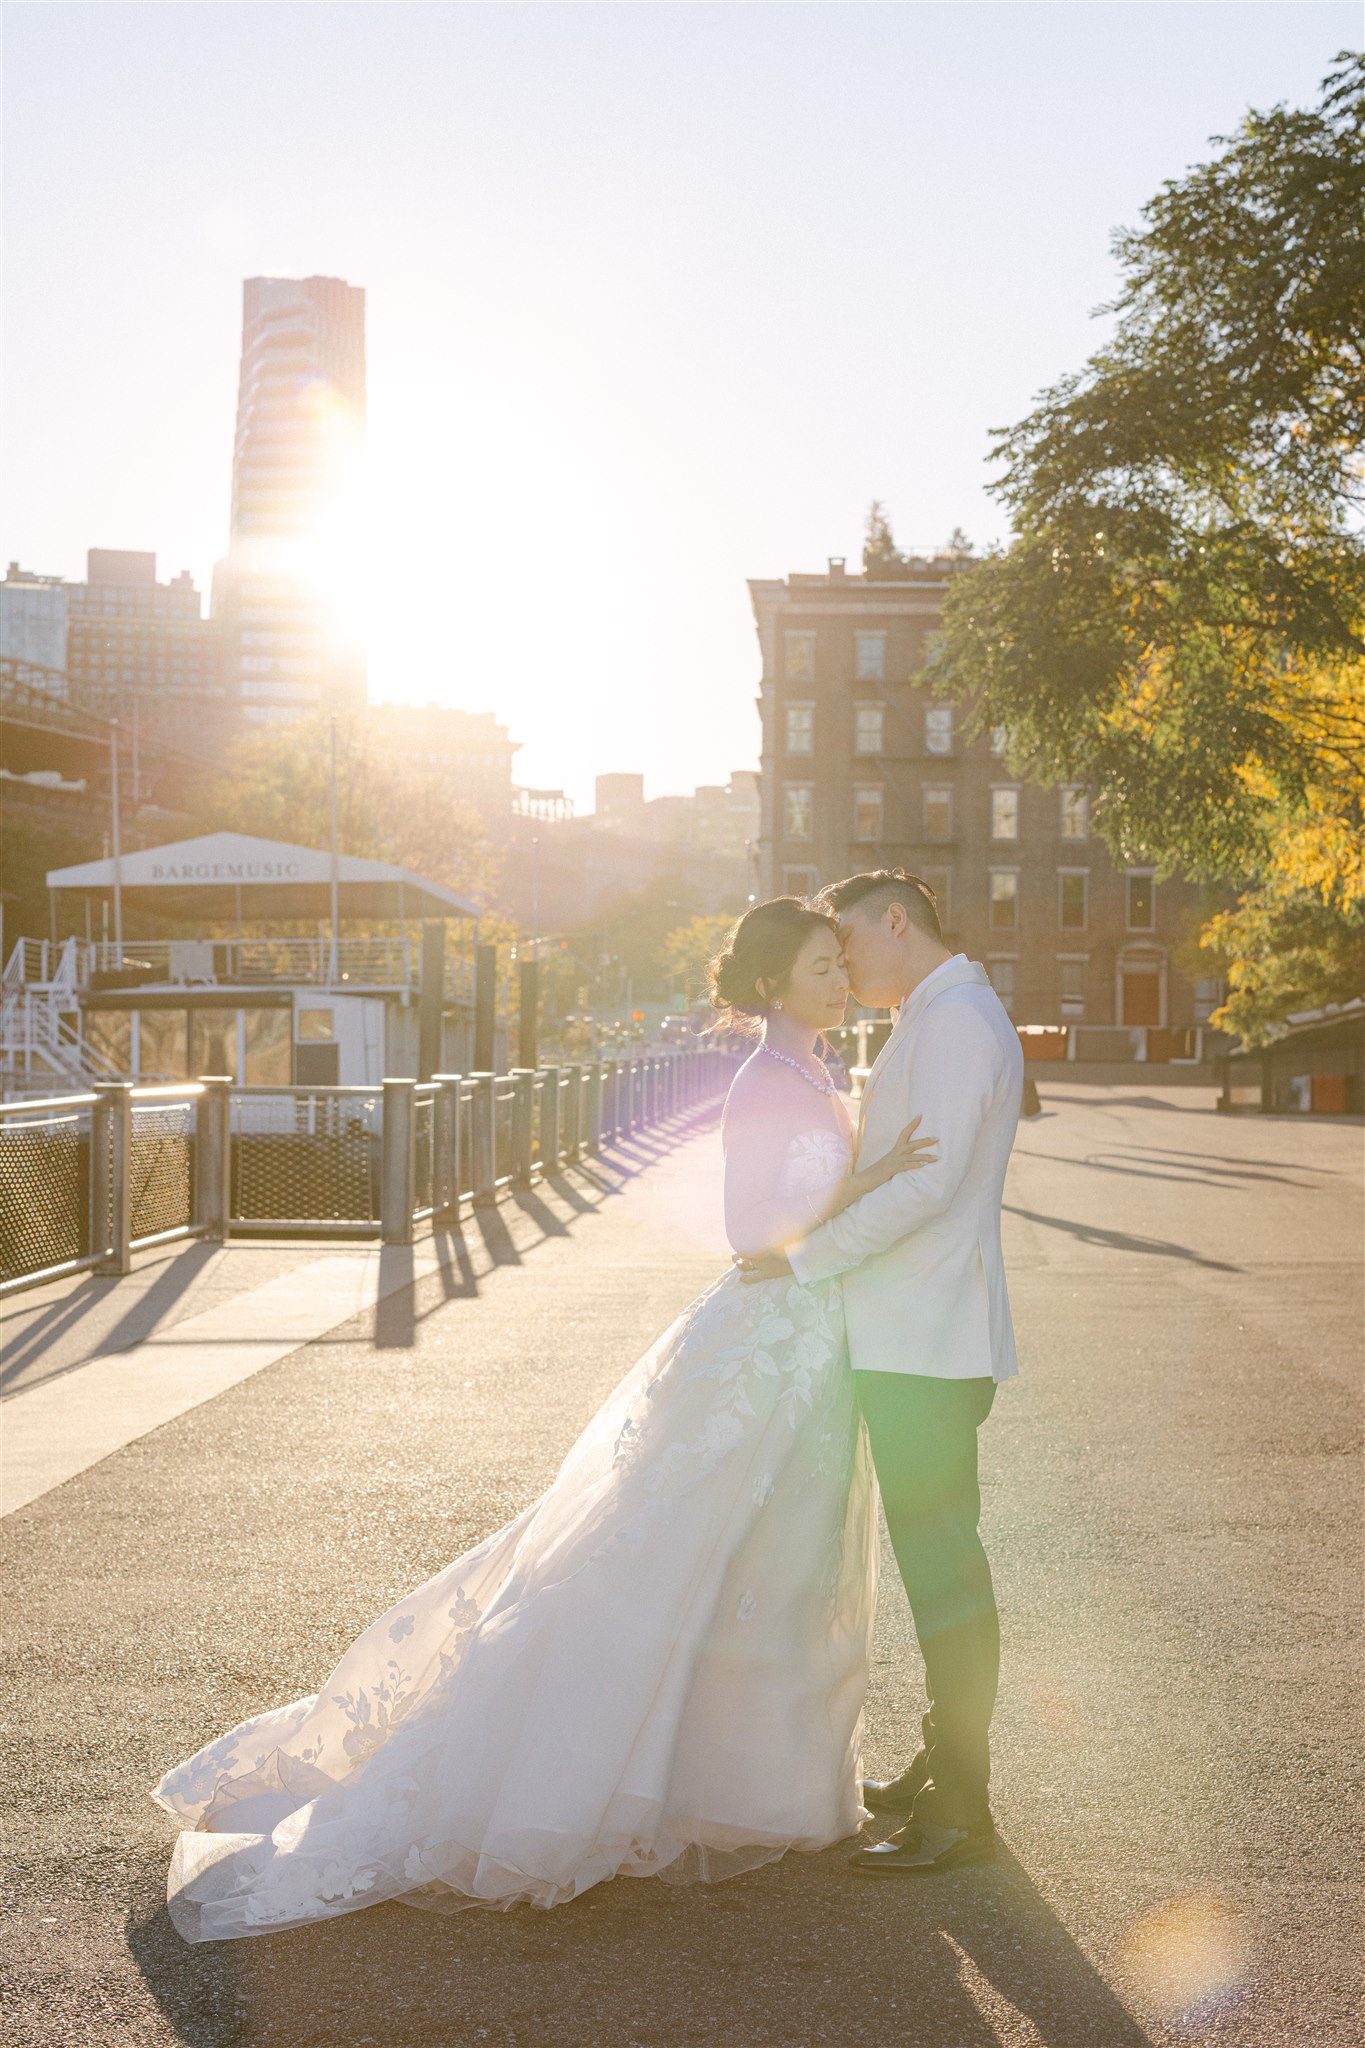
897,1795
922,1847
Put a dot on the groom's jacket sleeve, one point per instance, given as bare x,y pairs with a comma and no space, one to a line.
954,1069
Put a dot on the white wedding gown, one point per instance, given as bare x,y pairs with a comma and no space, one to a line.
657,1669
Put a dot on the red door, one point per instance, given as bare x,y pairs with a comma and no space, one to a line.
1141,996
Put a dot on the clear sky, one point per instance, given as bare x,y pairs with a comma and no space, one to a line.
659,296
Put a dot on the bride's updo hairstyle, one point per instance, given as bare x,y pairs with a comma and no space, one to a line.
762,949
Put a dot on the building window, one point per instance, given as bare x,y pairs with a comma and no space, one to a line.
999,739
867,811
1073,893
800,881
1001,973
796,810
871,657
938,816
1071,986
800,728
1075,814
800,656
1004,899
868,725
938,728
1207,996
1004,814
940,880
1141,903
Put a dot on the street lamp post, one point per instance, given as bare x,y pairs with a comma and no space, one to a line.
116,842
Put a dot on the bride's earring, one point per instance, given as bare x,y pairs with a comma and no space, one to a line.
778,1004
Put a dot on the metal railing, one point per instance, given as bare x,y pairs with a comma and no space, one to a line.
389,961
88,1179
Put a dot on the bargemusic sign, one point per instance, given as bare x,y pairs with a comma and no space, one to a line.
227,871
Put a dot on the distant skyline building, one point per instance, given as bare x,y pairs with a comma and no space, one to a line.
470,750
33,618
300,432
130,637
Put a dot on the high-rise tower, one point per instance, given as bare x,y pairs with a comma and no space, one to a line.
287,649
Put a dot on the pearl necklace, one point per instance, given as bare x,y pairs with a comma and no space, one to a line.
825,1087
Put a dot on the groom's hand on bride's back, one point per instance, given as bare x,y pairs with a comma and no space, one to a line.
753,1267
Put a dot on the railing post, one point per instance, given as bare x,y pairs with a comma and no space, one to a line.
445,1136
111,1175
549,1120
398,1171
571,1128
484,1139
590,1136
523,1123
213,1157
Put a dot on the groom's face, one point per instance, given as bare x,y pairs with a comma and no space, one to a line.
872,956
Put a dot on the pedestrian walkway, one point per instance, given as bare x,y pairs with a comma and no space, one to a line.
88,1365
1172,1507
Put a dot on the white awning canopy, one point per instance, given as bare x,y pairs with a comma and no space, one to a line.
228,875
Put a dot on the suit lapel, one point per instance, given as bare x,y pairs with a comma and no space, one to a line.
952,974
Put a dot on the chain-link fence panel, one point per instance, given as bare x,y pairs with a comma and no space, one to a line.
306,1155
45,1208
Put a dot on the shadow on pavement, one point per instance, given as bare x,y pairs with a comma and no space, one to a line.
1120,1240
799,1953
1184,1169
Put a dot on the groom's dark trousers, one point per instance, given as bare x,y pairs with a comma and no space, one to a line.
923,1437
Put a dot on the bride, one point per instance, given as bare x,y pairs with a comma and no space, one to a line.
658,1668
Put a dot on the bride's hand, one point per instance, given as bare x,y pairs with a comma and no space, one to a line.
907,1154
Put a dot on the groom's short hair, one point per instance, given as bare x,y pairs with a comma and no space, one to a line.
875,890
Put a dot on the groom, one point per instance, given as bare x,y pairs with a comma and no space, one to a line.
929,1332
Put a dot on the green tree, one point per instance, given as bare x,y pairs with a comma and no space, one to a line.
276,783
1179,619
688,950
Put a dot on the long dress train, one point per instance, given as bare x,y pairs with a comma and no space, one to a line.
657,1668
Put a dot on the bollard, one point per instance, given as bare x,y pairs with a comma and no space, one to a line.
549,1120
445,1165
523,1123
213,1158
483,1141
398,1163
111,1157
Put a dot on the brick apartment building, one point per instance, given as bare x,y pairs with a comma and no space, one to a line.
862,768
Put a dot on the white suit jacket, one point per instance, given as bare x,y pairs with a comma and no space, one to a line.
923,1273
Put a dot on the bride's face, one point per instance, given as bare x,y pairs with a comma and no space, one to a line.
816,994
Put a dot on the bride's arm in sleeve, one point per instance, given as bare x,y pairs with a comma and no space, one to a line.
755,1133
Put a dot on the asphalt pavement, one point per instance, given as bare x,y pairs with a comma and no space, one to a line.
1173,1509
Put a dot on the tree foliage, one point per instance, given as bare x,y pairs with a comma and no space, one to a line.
689,949
1180,618
276,782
